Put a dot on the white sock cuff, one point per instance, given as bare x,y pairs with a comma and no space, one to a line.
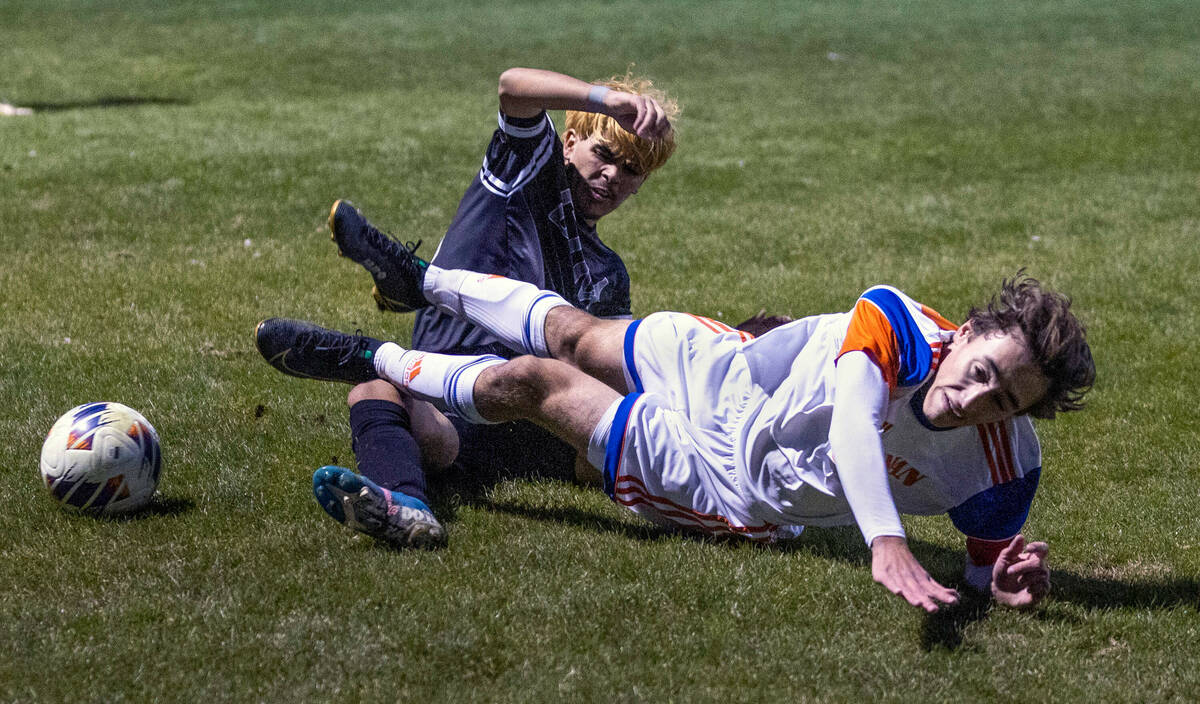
459,389
513,311
535,322
388,361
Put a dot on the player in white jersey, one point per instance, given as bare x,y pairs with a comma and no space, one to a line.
828,420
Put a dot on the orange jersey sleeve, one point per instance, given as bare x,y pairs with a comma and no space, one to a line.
870,332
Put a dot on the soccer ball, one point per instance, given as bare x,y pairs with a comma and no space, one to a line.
102,458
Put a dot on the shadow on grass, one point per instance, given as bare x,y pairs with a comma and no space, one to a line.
587,519
451,490
108,101
158,506
1100,593
944,629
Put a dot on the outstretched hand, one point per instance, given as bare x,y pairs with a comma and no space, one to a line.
893,566
639,114
1020,577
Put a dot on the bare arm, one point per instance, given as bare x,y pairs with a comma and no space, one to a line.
525,92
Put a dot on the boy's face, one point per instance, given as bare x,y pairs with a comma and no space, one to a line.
983,379
600,181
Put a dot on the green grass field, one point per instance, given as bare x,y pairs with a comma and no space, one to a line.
171,190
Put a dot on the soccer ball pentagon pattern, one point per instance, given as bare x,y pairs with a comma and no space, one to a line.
101,458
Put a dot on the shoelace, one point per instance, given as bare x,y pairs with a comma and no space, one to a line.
406,252
347,346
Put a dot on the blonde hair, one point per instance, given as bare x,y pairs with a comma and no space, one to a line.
643,155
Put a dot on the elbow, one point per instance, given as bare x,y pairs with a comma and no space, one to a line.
505,84
520,93
508,87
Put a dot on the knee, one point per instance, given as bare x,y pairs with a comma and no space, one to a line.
439,448
378,390
566,329
520,377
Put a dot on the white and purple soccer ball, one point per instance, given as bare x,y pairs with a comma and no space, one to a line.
102,458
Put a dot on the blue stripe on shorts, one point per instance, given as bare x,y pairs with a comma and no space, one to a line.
616,440
629,335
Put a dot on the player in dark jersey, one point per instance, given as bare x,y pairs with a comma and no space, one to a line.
530,214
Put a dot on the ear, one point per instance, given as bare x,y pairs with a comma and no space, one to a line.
570,139
963,333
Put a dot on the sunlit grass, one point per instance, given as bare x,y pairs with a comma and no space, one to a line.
171,190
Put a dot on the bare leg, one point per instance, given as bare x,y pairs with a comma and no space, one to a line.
532,321
593,345
549,392
553,393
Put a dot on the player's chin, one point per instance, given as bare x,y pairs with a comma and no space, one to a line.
594,211
943,418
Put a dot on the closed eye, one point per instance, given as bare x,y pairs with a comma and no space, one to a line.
607,155
604,154
1005,400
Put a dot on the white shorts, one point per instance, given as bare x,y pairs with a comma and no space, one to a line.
666,450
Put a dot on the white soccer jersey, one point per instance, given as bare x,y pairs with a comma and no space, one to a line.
753,455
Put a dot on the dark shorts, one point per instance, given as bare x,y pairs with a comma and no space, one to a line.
518,449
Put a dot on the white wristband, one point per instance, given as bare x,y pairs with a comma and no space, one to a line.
595,99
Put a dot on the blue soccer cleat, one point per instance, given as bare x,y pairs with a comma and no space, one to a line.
391,516
397,270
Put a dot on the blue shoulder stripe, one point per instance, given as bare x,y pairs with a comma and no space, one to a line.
999,512
915,355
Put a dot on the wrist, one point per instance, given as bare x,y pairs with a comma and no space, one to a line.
879,540
888,542
595,98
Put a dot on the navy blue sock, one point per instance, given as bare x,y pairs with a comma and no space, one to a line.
387,453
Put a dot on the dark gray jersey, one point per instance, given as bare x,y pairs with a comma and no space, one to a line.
517,220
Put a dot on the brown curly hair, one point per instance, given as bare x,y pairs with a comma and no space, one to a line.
1054,336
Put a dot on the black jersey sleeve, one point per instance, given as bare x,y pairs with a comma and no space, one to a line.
520,149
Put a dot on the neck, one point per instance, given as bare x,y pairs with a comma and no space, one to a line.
917,403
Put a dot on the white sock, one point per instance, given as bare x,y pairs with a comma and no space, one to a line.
513,311
445,380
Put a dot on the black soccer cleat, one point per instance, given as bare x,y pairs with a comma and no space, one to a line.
309,351
397,270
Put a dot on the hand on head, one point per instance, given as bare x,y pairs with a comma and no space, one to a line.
638,114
